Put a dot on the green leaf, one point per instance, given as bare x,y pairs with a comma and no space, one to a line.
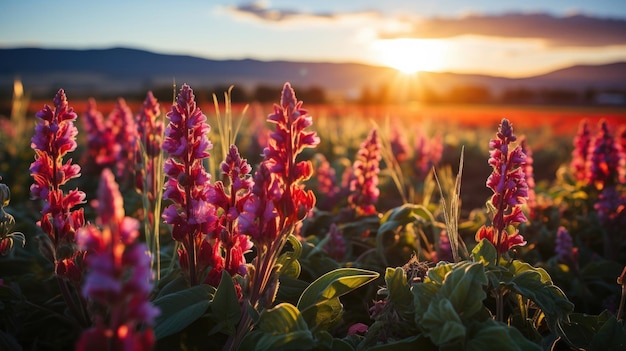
418,342
181,308
463,286
323,315
396,218
493,335
334,284
399,291
529,281
438,273
485,252
290,289
593,332
442,323
289,260
177,284
226,309
280,328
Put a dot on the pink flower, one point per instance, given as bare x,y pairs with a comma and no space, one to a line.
101,144
191,214
606,164
150,134
364,185
529,176
502,244
55,137
399,145
336,245
582,141
510,190
326,183
118,278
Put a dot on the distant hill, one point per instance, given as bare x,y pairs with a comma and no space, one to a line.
122,70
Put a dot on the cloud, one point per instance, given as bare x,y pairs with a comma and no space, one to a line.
574,30
260,11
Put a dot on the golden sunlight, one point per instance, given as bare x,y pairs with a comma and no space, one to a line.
412,55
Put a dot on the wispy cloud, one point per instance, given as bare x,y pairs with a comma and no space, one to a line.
262,12
574,30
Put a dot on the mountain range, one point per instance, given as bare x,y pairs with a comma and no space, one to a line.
123,70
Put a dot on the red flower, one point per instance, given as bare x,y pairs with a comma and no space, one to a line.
504,243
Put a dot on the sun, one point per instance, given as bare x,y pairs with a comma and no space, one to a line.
409,55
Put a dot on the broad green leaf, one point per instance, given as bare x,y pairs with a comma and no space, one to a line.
592,332
399,217
181,308
518,267
441,323
177,284
463,286
334,284
226,309
324,315
485,252
493,335
280,328
438,273
418,342
399,291
547,296
290,289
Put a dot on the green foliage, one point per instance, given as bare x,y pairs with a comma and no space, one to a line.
180,308
594,332
319,302
225,307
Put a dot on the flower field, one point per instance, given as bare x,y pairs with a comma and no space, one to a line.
175,225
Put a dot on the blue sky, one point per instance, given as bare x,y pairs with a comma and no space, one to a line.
512,38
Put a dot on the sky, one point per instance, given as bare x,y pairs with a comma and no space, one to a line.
505,38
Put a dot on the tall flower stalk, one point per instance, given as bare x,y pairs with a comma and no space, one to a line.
604,159
278,201
55,137
191,214
364,190
150,178
582,140
118,277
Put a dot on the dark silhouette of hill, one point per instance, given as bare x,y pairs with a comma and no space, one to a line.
123,70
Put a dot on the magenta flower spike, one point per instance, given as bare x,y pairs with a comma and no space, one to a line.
529,174
582,141
510,191
399,145
336,246
326,183
55,136
364,190
125,132
286,142
230,198
150,134
191,214
118,278
604,159
565,250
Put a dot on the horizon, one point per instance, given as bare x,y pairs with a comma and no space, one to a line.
507,39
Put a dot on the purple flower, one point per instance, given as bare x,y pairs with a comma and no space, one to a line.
336,245
191,214
510,191
565,250
582,141
604,159
399,145
150,134
326,183
102,148
122,124
119,275
364,185
527,166
55,137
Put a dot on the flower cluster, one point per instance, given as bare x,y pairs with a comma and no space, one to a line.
191,214
101,145
150,134
582,140
125,131
510,191
565,250
529,175
428,152
118,278
55,136
326,183
229,196
364,190
336,245
611,207
605,162
399,145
